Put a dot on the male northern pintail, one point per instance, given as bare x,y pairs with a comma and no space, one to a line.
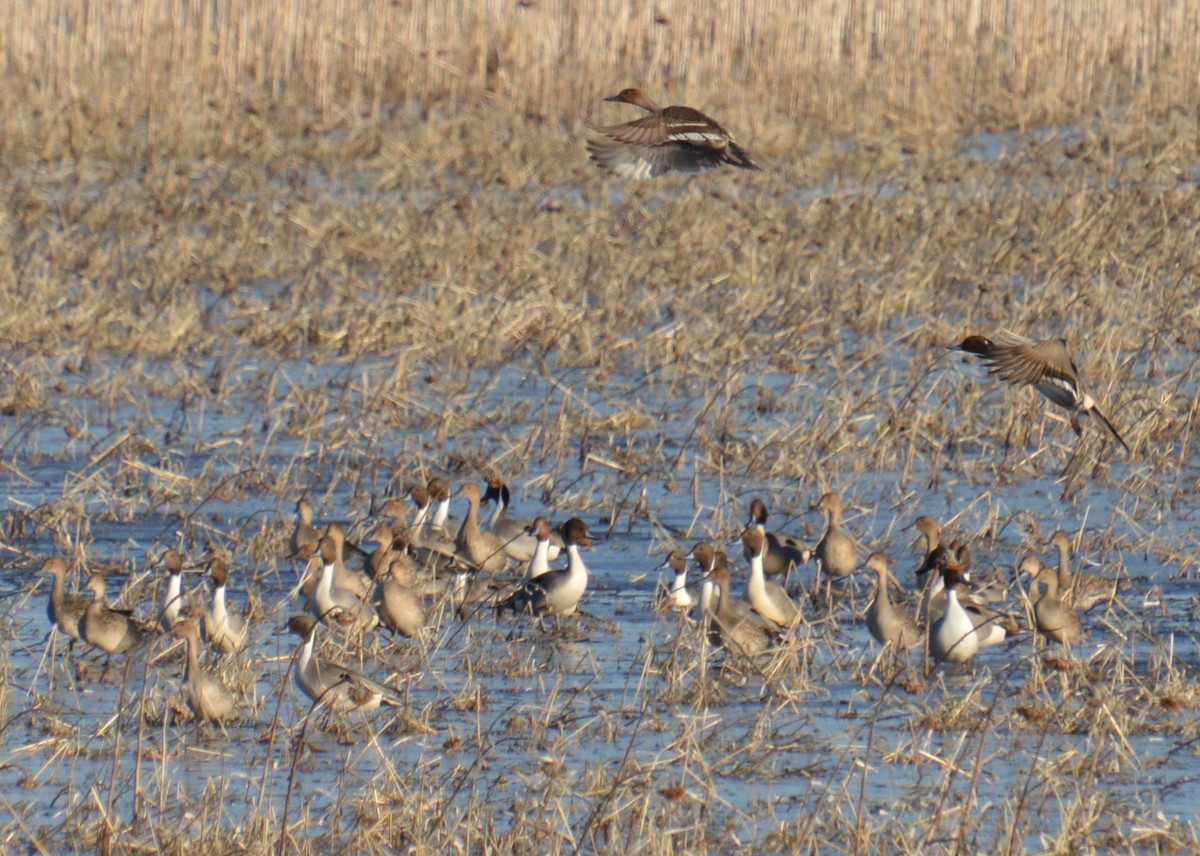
333,603
1047,366
519,541
676,594
556,592
783,552
224,627
173,597
769,599
338,687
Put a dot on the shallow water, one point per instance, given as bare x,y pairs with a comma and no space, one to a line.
149,465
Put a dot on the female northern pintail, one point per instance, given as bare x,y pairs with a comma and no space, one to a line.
889,623
669,138
1047,366
206,696
557,592
108,629
738,626
66,609
519,541
769,599
836,554
481,549
401,608
1081,590
783,552
305,536
1055,619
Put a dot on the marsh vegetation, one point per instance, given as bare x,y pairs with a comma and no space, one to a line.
255,254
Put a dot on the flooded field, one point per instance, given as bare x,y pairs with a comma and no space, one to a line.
621,728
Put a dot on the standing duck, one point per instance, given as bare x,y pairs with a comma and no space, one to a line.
556,592
66,609
836,555
225,628
206,696
783,552
1055,619
334,603
676,595
173,598
481,549
737,625
519,541
1081,590
889,623
401,608
769,599
952,637
337,687
106,628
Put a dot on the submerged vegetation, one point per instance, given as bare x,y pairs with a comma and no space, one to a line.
256,253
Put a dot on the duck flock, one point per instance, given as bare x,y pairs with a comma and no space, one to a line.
422,556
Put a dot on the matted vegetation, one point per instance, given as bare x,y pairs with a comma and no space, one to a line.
251,253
